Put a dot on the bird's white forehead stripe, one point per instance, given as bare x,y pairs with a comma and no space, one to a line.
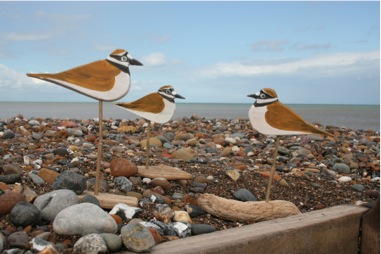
129,56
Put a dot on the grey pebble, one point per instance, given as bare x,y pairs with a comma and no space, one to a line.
36,179
113,242
24,214
198,229
91,199
51,203
342,168
8,134
358,187
83,219
244,195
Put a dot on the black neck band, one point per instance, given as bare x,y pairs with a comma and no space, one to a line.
121,67
167,98
263,104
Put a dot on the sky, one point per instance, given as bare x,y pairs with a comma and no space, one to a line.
218,52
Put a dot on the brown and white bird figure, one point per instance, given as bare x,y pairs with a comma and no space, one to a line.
103,80
271,117
157,107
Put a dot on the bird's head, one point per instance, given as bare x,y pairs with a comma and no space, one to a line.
123,58
265,96
169,93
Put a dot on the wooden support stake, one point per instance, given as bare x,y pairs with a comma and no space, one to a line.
147,145
272,169
100,144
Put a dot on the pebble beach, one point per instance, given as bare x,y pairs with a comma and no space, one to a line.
48,165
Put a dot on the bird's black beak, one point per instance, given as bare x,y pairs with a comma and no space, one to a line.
255,96
179,96
135,62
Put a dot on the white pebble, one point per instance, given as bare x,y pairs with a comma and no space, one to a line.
146,180
344,179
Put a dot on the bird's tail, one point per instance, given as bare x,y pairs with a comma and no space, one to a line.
322,133
37,75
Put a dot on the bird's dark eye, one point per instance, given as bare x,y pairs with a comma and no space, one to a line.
124,58
262,96
168,91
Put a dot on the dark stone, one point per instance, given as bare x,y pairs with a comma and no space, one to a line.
91,199
18,240
71,181
358,187
10,179
244,195
194,210
24,214
61,152
8,134
198,229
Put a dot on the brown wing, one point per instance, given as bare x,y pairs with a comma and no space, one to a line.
99,76
152,103
284,118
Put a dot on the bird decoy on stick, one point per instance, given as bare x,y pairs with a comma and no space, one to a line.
103,80
271,117
157,107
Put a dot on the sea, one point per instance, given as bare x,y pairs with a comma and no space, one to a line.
358,117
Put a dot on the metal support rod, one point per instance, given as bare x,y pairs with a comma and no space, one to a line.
272,169
100,145
147,144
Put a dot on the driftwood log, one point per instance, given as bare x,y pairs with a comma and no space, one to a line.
235,210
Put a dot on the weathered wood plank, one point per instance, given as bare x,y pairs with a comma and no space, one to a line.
108,201
167,172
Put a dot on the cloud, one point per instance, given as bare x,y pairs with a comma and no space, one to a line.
154,60
11,79
314,47
324,65
269,45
